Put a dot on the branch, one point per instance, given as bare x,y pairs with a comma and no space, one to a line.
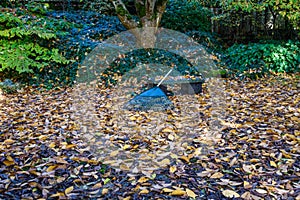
124,15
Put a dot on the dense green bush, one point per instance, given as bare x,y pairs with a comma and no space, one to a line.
25,45
100,6
184,15
258,58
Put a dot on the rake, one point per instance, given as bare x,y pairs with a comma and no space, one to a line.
152,99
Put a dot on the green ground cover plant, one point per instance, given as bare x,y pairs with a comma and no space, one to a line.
255,59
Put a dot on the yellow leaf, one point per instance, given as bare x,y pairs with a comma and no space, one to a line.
190,193
69,146
178,192
230,194
9,141
69,190
58,194
247,185
186,159
127,198
164,162
51,168
167,190
126,146
145,191
133,118
9,158
217,175
167,130
97,186
256,120
273,164
8,163
124,167
173,169
143,179
52,145
104,191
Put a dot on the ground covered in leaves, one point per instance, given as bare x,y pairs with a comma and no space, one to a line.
255,154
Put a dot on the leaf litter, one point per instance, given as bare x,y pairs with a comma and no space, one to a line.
43,154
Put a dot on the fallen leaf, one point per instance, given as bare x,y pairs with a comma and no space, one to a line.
273,164
190,193
230,194
69,190
167,190
173,169
178,192
145,191
246,195
143,179
261,191
104,191
217,175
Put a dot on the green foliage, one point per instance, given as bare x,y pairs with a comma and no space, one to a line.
259,58
25,44
100,6
184,15
272,15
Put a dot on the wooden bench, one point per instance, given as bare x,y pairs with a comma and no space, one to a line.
187,85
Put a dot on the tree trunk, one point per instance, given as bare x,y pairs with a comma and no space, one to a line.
149,13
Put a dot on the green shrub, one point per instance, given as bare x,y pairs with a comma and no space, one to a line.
26,45
259,58
100,6
184,15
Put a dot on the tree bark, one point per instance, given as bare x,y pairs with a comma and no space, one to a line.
149,13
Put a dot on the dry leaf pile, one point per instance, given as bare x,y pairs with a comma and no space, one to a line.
254,154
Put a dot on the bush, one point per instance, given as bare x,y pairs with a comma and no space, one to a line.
22,45
259,58
100,6
184,15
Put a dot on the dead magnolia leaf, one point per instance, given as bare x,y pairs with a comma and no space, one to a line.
246,195
178,192
9,141
51,168
217,175
104,191
69,190
143,179
261,191
190,193
273,164
173,169
167,190
230,194
145,191
247,168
